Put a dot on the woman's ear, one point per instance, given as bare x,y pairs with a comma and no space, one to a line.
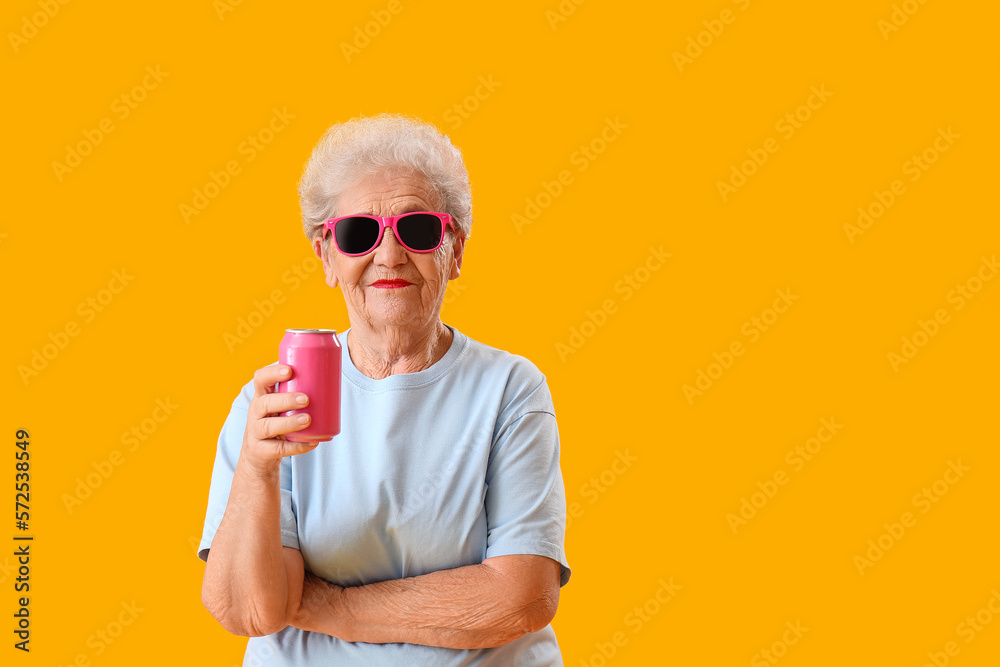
331,277
457,251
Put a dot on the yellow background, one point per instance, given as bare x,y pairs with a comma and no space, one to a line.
665,516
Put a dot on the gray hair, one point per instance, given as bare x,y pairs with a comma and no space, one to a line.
360,147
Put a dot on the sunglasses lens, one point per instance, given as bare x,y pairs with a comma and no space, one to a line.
356,235
420,231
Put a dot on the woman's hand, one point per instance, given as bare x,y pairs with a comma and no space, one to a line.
263,446
320,608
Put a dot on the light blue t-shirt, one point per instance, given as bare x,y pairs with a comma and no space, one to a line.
431,470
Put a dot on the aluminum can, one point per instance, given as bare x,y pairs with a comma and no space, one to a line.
315,358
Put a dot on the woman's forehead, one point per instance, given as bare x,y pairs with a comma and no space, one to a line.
389,193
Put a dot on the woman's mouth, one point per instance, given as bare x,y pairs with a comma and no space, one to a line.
390,284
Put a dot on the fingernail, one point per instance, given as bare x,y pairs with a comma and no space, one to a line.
301,399
284,372
303,419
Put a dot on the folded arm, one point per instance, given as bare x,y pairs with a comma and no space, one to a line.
253,583
475,606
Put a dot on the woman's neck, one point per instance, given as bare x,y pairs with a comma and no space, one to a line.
397,350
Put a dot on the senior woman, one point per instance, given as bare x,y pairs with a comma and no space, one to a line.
430,530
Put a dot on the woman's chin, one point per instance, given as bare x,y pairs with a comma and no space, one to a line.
389,314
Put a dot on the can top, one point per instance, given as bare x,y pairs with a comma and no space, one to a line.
311,331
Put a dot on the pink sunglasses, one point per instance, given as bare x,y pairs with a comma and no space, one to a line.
419,231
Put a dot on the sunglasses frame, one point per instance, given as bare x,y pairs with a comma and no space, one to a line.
390,222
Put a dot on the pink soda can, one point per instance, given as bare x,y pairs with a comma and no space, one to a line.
314,355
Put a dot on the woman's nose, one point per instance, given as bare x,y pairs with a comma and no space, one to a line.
389,251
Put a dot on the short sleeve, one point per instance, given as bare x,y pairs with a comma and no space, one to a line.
525,498
226,456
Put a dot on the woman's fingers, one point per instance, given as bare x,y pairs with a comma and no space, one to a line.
276,403
272,427
265,378
263,442
285,448
265,421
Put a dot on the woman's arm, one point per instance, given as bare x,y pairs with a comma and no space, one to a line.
253,584
476,606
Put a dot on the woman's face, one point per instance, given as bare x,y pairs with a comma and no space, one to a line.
416,305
